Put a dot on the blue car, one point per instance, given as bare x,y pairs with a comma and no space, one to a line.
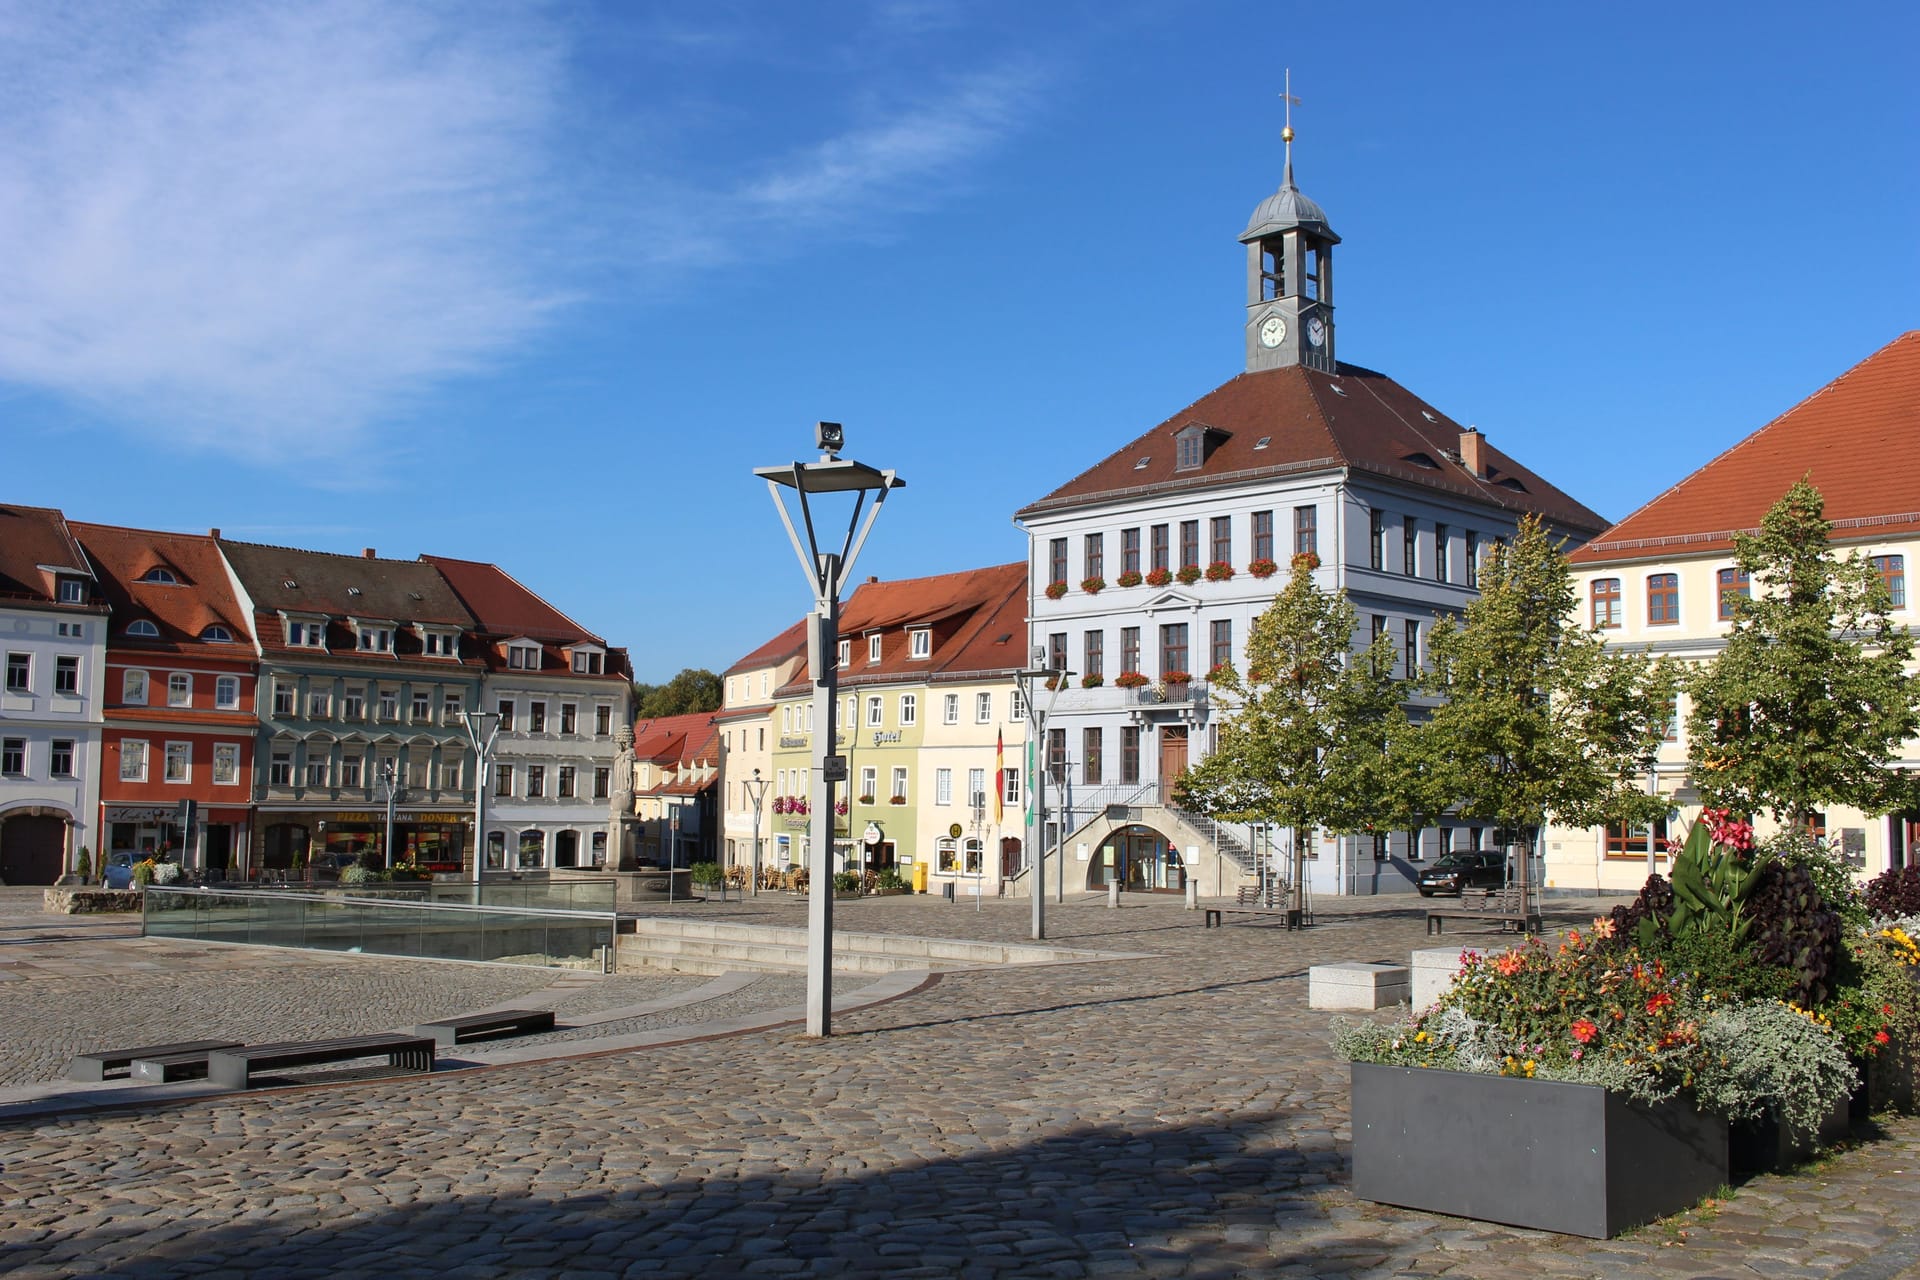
119,869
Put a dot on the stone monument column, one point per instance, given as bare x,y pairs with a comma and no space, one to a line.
620,824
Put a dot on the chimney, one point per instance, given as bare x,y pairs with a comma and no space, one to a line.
213,533
366,553
873,577
1471,457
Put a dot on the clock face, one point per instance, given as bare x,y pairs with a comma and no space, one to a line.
1273,331
1317,331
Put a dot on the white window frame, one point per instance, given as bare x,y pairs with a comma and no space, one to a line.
319,704
385,699
876,711
976,787
133,760
55,749
920,643
899,783
869,782
350,775
422,708
873,649
453,708
226,693
66,671
983,708
13,745
909,709
280,769
943,786
1010,787
179,689
133,687
226,754
950,709
1016,705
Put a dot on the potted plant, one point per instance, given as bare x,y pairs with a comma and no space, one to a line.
1092,680
890,883
1055,590
1131,578
1158,577
1130,680
1262,567
1189,574
1219,571
846,883
1094,585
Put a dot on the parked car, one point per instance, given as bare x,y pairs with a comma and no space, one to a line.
119,868
1457,872
329,864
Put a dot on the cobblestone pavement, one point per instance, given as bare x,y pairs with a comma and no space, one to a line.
1178,1115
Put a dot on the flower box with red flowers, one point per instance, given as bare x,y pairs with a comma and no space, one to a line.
1092,681
1262,568
1189,574
1055,590
1158,577
1131,578
1178,677
1130,680
1219,571
1093,586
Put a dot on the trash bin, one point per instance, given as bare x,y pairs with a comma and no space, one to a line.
919,877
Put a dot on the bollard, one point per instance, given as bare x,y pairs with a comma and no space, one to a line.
1193,895
1113,893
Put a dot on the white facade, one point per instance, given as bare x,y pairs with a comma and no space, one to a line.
50,730
552,771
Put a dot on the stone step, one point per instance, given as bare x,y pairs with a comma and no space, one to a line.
668,951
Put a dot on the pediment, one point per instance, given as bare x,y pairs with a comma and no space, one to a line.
1173,598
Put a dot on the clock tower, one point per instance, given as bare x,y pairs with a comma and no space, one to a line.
1289,279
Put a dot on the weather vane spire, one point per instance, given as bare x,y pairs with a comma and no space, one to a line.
1286,132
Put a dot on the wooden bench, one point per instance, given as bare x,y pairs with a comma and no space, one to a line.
111,1063
234,1068
165,1068
448,1032
1251,900
1502,905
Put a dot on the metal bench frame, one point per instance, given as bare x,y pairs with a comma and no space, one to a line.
448,1032
234,1068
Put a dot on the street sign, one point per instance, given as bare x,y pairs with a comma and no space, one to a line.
834,769
955,830
873,833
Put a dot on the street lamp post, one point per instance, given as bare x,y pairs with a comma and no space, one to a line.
825,571
756,788
483,730
388,780
1037,740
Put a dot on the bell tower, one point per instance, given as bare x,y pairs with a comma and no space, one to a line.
1289,274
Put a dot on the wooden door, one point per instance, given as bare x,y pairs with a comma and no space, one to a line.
1173,757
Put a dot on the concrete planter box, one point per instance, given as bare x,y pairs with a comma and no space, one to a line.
1356,984
1529,1153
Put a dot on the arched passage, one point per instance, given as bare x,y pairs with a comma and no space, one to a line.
33,846
1140,859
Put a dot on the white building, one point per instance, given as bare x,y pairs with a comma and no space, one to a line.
53,638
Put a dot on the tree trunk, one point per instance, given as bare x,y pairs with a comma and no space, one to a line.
1299,870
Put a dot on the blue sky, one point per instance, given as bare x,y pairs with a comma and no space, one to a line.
541,284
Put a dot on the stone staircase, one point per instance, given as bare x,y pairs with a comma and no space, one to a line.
699,946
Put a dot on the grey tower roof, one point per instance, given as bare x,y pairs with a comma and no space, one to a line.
1284,210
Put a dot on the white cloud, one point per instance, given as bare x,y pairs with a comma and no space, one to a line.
262,224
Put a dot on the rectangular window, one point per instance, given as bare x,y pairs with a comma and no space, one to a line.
133,692
920,643
1129,649
133,760
1056,651
869,782
875,711
943,786
506,715
1091,762
1442,547
1411,649
349,771
1625,843
422,708
319,703
66,673
226,693
1306,531
566,782
317,771
1129,753
179,689
569,717
1130,550
982,708
1094,555
1380,629
1220,532
353,703
60,758
1472,560
1893,572
452,707
900,783
1731,586
19,673
602,721
226,763
1605,593
976,788
1057,755
536,781
1173,649
909,709
950,709
1057,560
1093,650
72,591
1263,535
1016,705
602,782
873,649
1663,599
1189,544
536,717
280,769
1010,787
503,780
1220,643
390,705
1159,550
1410,546
1377,539
13,757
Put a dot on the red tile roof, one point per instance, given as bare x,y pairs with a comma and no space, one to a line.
1312,421
977,618
1857,438
202,596
506,609
31,537
783,646
676,741
343,587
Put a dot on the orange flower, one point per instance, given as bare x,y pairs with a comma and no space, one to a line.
1584,1031
1659,1002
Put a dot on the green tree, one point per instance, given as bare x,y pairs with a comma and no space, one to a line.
1811,695
694,689
1540,717
1305,740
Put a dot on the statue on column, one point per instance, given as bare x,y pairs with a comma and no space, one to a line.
620,825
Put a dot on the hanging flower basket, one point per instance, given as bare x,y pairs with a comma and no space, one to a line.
1055,590
1219,571
1189,573
779,804
1093,586
1159,578
1263,568
840,806
1131,578
1130,680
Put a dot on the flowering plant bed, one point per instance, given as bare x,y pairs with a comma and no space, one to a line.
1055,590
1131,578
1219,571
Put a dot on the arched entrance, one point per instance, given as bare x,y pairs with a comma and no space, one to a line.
1140,859
33,847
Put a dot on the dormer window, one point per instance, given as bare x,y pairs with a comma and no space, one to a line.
523,657
588,662
375,639
1192,444
440,644
160,574
144,629
920,643
72,591
217,634
846,652
873,649
303,634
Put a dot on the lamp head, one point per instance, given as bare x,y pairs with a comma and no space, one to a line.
1039,656
830,437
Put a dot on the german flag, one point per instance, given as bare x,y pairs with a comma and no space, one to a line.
999,773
